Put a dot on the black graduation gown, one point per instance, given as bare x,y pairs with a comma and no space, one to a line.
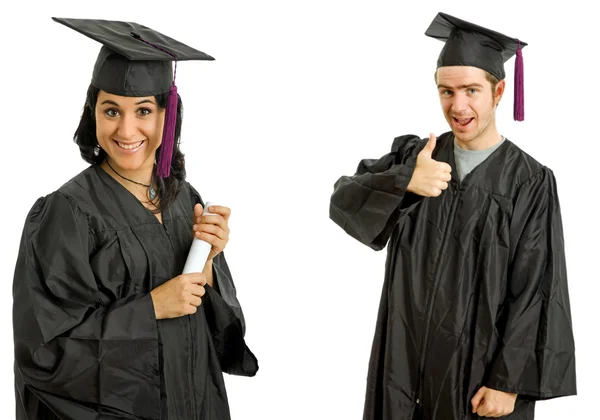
475,291
87,343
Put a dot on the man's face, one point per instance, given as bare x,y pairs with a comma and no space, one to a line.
468,103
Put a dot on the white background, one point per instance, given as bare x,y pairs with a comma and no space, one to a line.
301,91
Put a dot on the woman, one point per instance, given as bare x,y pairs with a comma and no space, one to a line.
105,324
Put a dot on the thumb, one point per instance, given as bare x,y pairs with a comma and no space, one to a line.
477,398
430,146
198,210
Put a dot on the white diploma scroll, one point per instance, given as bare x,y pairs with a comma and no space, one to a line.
199,250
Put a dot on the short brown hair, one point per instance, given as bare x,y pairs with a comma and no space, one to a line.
493,80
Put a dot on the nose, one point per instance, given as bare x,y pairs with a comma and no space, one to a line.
127,127
460,103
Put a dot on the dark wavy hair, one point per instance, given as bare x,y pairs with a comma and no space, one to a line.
85,138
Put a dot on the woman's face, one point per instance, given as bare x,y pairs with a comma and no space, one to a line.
129,129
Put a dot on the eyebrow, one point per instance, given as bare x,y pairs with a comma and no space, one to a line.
440,86
143,101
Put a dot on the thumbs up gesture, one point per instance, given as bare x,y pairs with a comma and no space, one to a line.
430,177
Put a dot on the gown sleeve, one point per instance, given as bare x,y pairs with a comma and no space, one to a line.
368,204
536,358
225,317
81,354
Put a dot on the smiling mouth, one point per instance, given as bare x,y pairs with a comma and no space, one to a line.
462,121
129,146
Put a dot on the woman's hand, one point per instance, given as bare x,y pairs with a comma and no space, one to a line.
213,229
179,296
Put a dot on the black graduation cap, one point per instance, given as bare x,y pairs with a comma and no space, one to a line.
135,60
467,44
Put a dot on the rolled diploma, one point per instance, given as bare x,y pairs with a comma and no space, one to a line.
199,250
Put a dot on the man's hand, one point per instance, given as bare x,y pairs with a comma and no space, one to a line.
430,177
491,403
212,229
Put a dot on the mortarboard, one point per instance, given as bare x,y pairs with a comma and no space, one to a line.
135,60
467,44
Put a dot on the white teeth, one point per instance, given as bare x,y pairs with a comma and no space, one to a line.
130,146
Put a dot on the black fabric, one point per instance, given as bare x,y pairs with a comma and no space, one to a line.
127,66
115,74
475,291
87,344
467,44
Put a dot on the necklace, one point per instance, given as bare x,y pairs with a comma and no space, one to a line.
151,191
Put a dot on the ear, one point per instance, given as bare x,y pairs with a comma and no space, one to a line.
499,91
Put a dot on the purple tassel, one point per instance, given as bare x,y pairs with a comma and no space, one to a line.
519,105
168,139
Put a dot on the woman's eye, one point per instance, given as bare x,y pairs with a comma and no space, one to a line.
144,111
112,112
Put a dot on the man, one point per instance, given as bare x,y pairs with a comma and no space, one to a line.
474,318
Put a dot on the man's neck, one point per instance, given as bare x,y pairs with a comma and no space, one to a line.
484,141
